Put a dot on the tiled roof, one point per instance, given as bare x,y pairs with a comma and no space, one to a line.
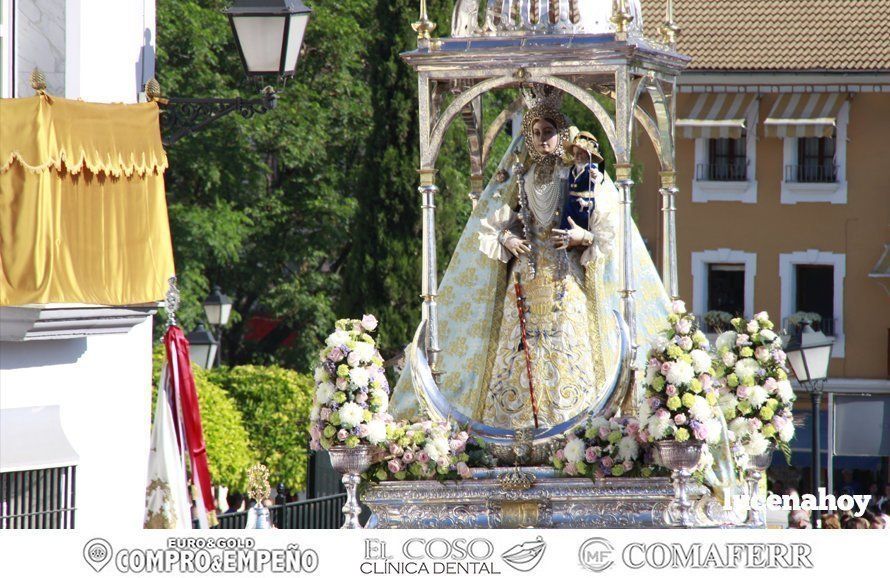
812,35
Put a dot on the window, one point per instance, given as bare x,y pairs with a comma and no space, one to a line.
37,499
727,160
814,293
723,280
813,282
815,166
815,161
725,166
726,287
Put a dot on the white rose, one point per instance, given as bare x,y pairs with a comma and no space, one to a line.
768,335
762,316
628,449
752,326
359,376
680,372
756,445
787,431
701,409
783,388
726,339
739,426
337,338
369,322
377,431
714,431
757,395
701,361
746,368
324,391
678,307
351,414
574,451
728,359
727,402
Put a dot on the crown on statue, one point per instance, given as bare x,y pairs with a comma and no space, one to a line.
541,95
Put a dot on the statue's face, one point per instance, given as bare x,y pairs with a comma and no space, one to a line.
545,137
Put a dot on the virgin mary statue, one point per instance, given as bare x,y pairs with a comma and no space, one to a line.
540,241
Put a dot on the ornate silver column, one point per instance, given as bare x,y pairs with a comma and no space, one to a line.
628,283
430,283
668,192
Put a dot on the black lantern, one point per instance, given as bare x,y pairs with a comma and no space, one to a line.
809,353
202,347
218,307
269,34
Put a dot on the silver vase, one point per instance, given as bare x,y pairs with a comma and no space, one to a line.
753,474
262,519
682,458
351,463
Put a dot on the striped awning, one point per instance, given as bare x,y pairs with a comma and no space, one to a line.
804,115
715,115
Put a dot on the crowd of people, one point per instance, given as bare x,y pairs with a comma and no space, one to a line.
876,516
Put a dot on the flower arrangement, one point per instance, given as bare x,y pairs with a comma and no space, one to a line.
800,316
680,391
755,395
604,447
423,450
718,319
351,392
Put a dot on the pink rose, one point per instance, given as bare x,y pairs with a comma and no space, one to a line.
336,354
632,428
369,322
423,457
394,466
342,435
770,385
395,449
654,363
463,470
560,455
608,462
680,419
604,432
670,390
363,430
463,436
678,307
761,354
741,392
325,413
456,445
662,413
342,383
361,397
665,367
628,465
408,457
590,455
570,469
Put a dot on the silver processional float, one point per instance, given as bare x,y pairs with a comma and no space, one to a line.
589,49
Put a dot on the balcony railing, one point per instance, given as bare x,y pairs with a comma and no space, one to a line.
325,513
810,173
729,171
825,325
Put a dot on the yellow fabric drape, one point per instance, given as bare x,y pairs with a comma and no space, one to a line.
83,214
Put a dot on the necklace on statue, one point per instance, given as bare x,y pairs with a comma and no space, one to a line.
544,198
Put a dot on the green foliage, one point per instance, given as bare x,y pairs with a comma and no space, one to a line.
275,404
229,452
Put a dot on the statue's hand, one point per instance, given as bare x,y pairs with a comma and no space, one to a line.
574,236
517,245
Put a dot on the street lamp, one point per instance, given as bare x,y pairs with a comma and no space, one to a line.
218,308
809,353
269,34
202,346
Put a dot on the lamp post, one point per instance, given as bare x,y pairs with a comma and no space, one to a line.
218,308
809,353
269,34
203,346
